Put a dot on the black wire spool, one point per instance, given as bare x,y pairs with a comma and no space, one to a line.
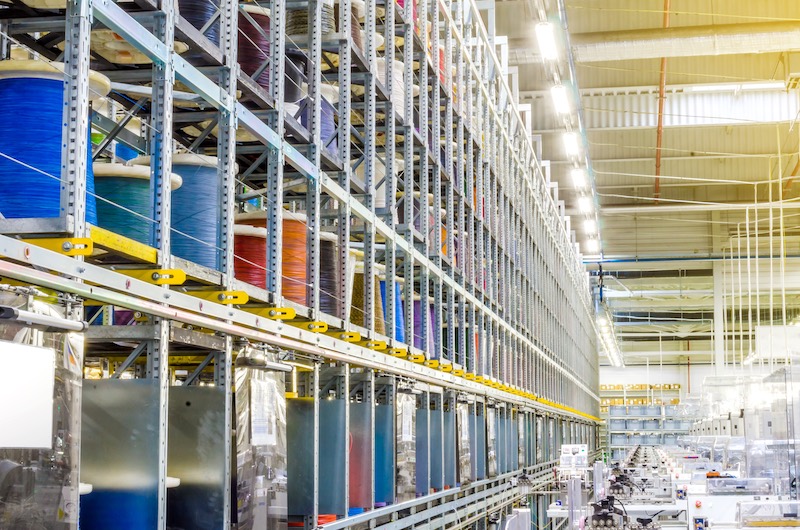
329,289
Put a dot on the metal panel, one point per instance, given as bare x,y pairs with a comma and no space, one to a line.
196,456
120,456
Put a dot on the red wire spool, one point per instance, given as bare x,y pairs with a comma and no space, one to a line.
250,254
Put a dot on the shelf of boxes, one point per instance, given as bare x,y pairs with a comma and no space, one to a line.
643,425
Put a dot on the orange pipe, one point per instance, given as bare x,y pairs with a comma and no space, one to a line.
660,131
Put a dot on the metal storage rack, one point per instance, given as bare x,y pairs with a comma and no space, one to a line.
511,277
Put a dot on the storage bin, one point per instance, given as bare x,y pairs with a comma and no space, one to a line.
653,410
633,424
617,410
670,439
652,439
670,410
650,424
637,410
619,439
634,439
616,424
670,425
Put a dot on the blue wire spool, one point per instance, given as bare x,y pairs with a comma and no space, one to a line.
125,153
327,130
31,107
399,315
127,190
196,208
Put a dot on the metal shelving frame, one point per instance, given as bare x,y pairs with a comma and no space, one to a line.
509,276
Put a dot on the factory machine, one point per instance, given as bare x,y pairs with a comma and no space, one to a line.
635,494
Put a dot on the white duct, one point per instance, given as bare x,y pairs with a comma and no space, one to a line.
689,41
683,208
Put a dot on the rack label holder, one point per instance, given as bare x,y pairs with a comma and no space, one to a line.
347,336
377,345
312,326
273,313
68,246
157,276
223,297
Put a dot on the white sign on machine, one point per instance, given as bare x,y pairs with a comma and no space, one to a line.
27,375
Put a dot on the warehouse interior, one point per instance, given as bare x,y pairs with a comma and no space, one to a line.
358,264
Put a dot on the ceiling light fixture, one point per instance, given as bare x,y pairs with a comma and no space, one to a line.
585,204
560,99
736,87
571,144
546,37
578,177
592,245
607,338
590,226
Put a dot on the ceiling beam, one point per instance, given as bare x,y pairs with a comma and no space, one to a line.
687,41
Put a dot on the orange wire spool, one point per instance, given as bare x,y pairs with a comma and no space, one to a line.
252,253
295,258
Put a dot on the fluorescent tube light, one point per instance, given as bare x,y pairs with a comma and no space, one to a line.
578,177
571,144
546,37
560,99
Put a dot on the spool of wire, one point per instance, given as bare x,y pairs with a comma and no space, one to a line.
31,107
420,312
296,63
399,315
294,256
329,274
126,189
254,50
327,122
198,13
357,13
398,95
196,208
124,152
297,27
379,179
357,309
250,254
254,41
